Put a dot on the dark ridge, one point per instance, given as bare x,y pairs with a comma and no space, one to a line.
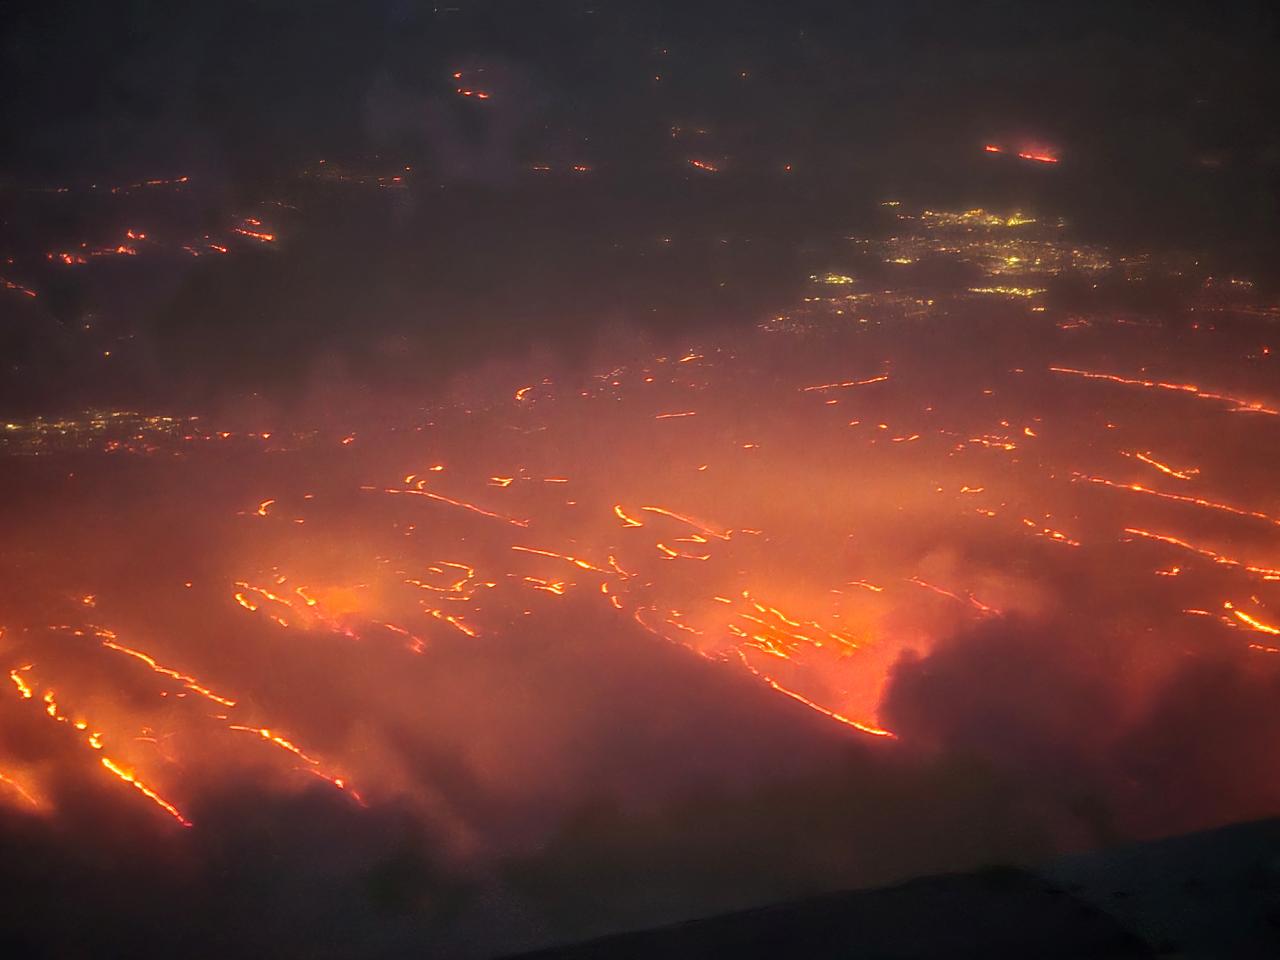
994,912
1210,893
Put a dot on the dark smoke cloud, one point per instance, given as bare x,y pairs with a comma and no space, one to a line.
1123,744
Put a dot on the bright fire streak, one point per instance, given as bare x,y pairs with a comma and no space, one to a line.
585,565
1038,157
846,383
191,683
557,587
94,740
415,644
1184,474
1050,534
1267,573
338,782
454,622
865,585
18,788
263,506
11,285
267,594
455,586
800,698
1180,498
696,524
1244,406
1252,622
672,416
255,234
968,598
279,741
671,554
24,688
128,777
514,521
790,635
626,520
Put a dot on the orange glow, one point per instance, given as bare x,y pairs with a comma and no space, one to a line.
831,544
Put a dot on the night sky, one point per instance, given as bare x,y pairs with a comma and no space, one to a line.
1165,115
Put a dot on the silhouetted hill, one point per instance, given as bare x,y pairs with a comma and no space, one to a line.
995,912
1215,893
1209,894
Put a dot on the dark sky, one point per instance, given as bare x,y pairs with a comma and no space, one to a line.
245,84
1165,116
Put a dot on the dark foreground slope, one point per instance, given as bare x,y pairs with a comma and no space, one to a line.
995,912
1209,894
1215,893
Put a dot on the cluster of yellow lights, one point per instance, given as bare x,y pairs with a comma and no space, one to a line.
1002,291
977,217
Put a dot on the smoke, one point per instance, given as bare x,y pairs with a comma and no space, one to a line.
1097,721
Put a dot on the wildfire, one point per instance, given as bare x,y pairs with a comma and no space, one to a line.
1237,404
128,777
108,641
799,518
